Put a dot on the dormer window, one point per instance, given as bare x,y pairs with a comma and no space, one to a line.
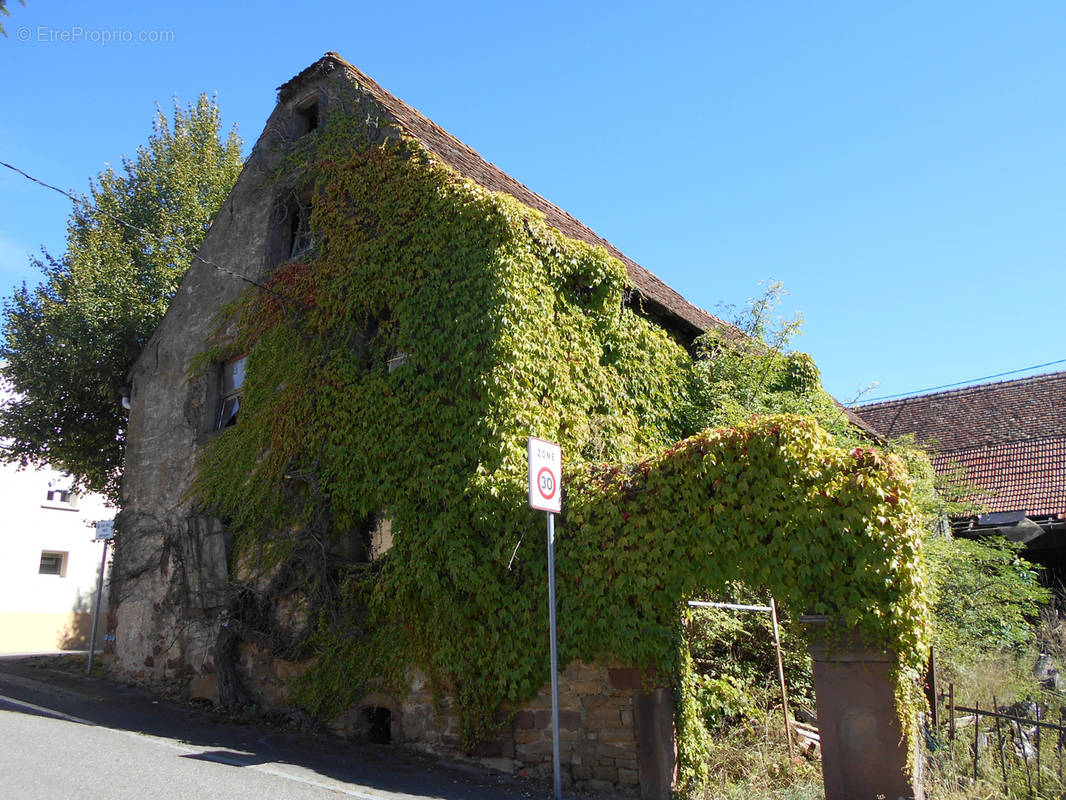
306,117
230,396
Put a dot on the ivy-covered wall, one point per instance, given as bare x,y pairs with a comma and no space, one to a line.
508,329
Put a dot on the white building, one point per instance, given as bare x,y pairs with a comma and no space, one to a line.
49,562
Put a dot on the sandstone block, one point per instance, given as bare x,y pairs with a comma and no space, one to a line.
524,719
604,773
599,785
587,687
617,735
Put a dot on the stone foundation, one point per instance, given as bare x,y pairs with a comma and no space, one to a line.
597,730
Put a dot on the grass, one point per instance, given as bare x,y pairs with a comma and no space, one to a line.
751,761
1008,678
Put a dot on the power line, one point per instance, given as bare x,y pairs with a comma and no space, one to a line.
158,237
960,383
246,279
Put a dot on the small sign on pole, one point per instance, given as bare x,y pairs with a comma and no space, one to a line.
545,475
105,532
545,494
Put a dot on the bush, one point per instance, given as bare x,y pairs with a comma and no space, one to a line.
986,597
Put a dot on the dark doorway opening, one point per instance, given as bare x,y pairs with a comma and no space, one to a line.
376,724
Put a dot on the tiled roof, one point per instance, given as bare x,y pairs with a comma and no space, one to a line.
992,413
1008,438
1025,476
470,165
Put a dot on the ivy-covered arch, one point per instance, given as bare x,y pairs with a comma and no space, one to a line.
772,503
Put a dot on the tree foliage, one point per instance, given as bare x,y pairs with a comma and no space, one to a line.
5,13
985,596
70,341
751,368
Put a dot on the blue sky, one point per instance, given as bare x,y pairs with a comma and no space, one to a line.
900,168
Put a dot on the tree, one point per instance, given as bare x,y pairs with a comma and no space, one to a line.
5,13
750,368
70,342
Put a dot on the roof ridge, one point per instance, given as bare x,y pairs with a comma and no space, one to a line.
1007,443
472,165
974,388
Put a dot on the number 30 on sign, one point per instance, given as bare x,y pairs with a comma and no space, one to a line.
545,475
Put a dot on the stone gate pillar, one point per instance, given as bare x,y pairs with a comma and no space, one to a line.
864,754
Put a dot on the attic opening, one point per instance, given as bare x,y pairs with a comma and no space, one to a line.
306,117
375,725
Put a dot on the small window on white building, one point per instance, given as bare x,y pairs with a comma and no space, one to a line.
230,396
62,499
53,563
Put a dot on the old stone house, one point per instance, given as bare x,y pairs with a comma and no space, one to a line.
169,602
338,397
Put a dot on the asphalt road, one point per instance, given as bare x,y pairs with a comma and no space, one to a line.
63,735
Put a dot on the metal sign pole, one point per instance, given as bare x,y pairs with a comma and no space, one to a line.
556,770
96,610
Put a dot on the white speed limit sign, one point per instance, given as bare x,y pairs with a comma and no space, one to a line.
545,475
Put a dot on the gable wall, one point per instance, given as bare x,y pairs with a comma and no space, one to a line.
169,604
171,562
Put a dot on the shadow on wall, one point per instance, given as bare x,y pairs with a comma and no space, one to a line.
75,636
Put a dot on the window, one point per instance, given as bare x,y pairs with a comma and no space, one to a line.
290,228
230,397
62,499
299,229
306,117
396,361
53,563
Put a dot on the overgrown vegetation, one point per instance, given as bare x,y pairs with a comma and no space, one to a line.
508,330
70,342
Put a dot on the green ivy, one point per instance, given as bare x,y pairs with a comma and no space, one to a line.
511,329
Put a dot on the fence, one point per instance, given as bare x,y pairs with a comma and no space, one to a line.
1008,747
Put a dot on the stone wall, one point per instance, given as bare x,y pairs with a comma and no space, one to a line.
597,722
598,741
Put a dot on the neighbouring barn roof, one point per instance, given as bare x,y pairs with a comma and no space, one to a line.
1008,438
664,300
1027,476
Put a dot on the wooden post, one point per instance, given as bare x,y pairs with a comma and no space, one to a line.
932,693
951,726
781,676
1025,758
